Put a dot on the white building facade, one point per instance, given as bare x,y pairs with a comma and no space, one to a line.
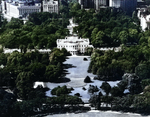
114,3
19,8
144,19
50,6
73,44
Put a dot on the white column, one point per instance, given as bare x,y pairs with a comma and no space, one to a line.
97,4
110,3
80,2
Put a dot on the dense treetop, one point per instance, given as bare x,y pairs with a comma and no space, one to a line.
107,27
40,31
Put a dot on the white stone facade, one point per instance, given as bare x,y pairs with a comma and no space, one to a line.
144,18
114,3
19,9
73,44
144,22
123,3
50,6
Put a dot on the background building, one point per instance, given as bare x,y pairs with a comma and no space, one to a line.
86,3
50,6
127,6
18,9
114,3
21,8
93,3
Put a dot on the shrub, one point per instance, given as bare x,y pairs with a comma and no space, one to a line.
85,59
60,90
77,94
87,79
84,88
53,92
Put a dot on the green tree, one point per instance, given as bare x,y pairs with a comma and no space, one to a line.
62,91
145,82
94,32
56,56
38,69
73,100
52,73
24,84
14,23
123,36
106,87
95,100
115,91
100,39
3,59
114,36
92,89
149,41
133,33
142,70
74,7
124,103
122,85
23,48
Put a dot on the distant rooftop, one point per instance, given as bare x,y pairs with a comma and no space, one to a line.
25,2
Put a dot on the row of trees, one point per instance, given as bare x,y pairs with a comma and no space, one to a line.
21,70
19,73
41,33
115,98
111,65
37,105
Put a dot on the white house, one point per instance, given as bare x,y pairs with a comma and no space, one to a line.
73,44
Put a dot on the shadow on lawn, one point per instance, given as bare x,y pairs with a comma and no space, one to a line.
63,78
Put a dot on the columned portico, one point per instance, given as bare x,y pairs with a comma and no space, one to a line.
73,44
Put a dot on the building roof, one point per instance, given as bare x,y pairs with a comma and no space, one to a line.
50,2
72,39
